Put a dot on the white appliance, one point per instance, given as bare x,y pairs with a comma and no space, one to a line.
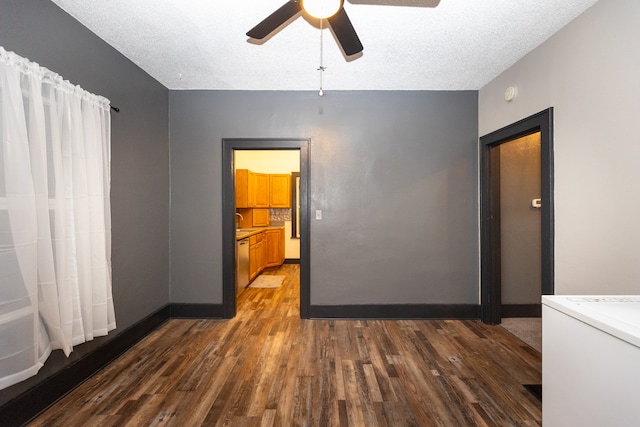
590,361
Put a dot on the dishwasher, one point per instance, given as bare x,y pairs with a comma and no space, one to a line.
242,264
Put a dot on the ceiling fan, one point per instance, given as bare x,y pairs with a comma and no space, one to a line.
337,17
331,10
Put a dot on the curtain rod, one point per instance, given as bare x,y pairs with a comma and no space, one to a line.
116,109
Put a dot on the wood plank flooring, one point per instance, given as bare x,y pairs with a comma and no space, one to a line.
268,367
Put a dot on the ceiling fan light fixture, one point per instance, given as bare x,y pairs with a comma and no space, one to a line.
321,9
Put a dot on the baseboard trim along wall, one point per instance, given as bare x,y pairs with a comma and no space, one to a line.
396,311
521,310
196,311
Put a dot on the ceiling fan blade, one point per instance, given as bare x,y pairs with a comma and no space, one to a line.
410,3
273,21
345,33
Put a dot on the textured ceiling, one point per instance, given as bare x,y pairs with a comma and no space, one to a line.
201,44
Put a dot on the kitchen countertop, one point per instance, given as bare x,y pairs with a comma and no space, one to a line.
243,233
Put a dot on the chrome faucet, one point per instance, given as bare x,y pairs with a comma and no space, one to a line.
241,217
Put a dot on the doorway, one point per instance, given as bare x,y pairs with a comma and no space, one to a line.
229,147
491,225
520,228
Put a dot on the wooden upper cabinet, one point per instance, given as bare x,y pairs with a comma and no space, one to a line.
242,188
280,190
254,217
261,188
260,217
252,189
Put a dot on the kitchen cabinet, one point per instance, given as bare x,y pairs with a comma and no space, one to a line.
256,255
252,189
274,252
260,187
280,190
253,266
266,249
242,188
260,217
254,218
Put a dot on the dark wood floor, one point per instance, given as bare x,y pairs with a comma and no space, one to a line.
267,367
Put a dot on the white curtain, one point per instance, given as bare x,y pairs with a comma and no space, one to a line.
55,222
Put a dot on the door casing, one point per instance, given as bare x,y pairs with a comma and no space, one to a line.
490,253
229,145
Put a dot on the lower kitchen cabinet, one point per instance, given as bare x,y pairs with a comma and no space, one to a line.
266,249
274,247
256,255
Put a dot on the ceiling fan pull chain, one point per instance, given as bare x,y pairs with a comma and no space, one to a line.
322,67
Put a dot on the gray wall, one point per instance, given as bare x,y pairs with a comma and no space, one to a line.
41,32
395,174
588,71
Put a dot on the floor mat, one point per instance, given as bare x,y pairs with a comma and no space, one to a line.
267,281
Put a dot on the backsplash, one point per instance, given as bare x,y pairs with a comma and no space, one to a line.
280,214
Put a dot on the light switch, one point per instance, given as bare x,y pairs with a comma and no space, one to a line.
318,214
